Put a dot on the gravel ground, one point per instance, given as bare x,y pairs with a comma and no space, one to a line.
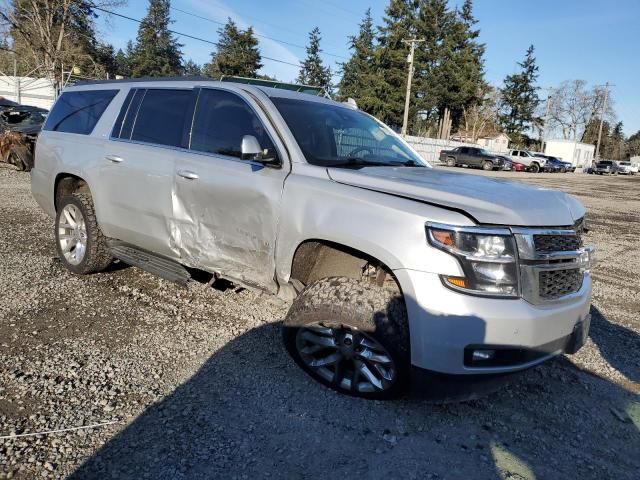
197,385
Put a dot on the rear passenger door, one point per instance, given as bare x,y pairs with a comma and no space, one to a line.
226,209
137,174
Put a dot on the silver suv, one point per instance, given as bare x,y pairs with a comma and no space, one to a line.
398,271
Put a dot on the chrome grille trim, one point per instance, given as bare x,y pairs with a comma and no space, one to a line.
542,263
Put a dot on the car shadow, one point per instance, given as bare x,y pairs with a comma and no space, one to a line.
618,345
249,412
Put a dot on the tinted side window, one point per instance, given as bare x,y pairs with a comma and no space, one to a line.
220,122
161,117
78,112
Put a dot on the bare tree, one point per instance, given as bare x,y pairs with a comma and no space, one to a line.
480,120
573,105
51,34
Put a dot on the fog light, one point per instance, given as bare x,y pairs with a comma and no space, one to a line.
483,355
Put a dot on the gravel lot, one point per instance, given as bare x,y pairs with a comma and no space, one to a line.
198,385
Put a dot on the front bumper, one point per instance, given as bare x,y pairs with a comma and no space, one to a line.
444,324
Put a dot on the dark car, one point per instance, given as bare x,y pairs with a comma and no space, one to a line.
19,127
608,167
555,164
472,157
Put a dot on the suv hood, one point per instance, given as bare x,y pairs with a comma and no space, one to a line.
488,200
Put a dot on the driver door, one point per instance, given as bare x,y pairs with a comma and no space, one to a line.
226,209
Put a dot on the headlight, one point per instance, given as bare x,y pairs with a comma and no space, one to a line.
487,257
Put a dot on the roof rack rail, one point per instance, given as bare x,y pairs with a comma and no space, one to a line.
192,78
262,82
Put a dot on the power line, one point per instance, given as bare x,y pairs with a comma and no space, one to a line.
256,34
216,44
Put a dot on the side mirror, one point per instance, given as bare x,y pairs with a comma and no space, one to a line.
250,149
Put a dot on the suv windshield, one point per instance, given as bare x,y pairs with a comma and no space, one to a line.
331,135
626,164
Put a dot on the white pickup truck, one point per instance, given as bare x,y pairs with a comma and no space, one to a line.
529,160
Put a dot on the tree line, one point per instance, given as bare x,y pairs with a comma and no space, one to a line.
48,37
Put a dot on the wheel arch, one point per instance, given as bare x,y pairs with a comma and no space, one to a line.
316,258
67,183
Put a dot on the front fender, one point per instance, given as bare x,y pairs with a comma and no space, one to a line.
383,226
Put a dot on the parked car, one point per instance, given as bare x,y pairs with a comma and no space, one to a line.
19,127
625,168
399,273
507,164
555,164
531,162
471,157
608,167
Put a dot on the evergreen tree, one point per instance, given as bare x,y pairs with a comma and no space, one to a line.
192,69
391,61
122,64
313,72
237,53
157,52
520,98
359,77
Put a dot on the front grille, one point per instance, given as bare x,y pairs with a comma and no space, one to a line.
556,243
557,283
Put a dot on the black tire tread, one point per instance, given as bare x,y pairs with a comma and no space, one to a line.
352,303
97,256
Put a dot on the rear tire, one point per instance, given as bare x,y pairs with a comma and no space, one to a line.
351,336
76,224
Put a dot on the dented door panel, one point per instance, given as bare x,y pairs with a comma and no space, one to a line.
226,219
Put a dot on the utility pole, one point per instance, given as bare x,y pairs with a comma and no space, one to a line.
546,116
405,120
604,107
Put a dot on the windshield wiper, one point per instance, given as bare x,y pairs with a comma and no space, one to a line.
360,162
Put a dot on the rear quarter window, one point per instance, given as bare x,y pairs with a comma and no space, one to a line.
79,112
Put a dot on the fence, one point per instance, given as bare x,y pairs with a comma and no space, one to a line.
429,148
38,92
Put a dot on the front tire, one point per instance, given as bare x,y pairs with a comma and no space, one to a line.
351,336
487,166
451,162
534,168
80,243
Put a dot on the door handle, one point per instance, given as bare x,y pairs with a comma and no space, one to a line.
189,175
114,158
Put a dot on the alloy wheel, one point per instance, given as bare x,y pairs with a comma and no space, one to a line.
72,234
349,359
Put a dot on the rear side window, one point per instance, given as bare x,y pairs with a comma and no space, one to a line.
161,117
220,122
78,112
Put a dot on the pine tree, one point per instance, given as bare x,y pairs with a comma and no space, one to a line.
359,77
313,71
157,52
122,64
192,69
520,98
237,53
391,61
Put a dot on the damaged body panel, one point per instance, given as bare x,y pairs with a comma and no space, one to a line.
295,194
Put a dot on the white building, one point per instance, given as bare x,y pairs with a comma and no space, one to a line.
38,92
494,142
579,154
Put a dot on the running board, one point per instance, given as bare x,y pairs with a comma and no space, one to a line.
162,267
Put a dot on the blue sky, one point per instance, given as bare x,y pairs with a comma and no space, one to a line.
581,39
